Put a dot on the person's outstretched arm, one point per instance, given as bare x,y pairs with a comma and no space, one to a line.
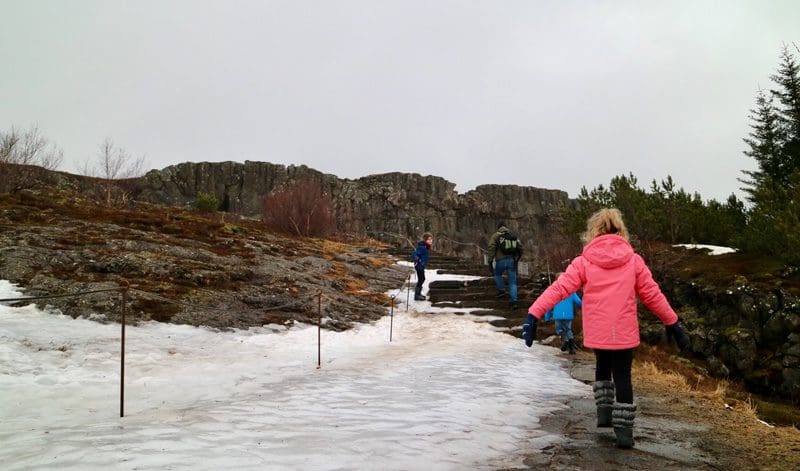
561,289
651,295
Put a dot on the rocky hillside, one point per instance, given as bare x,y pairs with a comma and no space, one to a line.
394,207
390,207
185,266
225,270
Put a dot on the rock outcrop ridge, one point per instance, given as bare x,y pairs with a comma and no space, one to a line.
394,207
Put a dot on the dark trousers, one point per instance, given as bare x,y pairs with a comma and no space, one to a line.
420,281
616,365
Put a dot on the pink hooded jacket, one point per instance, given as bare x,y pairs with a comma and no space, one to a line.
611,275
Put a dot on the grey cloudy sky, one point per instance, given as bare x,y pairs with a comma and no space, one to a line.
552,94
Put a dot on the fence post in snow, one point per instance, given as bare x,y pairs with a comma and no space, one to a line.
408,290
124,291
391,319
319,330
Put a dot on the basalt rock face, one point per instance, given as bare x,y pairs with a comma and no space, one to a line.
742,331
395,207
238,186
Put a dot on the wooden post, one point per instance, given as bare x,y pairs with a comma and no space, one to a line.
122,353
408,290
391,319
319,330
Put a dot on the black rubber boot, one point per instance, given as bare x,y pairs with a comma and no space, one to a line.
564,344
604,398
571,346
622,418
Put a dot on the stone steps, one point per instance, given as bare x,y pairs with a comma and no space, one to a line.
481,294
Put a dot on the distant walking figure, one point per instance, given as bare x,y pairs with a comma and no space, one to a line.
420,257
505,249
612,275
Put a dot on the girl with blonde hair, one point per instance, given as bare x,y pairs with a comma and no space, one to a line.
611,275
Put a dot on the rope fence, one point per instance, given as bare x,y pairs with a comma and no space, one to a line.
125,290
407,287
54,296
468,244
148,295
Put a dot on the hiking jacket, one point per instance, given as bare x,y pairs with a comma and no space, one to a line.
420,255
494,250
611,275
564,310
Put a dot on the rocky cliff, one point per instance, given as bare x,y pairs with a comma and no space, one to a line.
743,325
395,207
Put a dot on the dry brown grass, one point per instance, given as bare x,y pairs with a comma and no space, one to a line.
359,240
354,285
672,379
331,249
736,431
376,262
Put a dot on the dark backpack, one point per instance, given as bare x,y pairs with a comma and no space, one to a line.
507,243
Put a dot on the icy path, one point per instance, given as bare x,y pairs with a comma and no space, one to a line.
447,393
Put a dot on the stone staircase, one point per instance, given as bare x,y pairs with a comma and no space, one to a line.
481,294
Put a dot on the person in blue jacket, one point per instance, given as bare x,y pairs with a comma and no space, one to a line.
564,313
420,257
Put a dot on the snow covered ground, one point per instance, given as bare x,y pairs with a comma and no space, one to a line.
712,249
447,393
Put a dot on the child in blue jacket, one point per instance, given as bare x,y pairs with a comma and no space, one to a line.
420,258
563,313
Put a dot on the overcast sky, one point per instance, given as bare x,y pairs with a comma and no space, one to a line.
552,94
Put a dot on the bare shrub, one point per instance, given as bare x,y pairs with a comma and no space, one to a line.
116,163
117,169
303,208
26,159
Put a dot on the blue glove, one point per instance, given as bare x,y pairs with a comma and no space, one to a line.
529,330
676,332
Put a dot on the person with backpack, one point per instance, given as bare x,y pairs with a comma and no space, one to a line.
504,252
612,275
420,258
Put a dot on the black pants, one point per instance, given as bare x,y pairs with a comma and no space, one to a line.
420,281
616,365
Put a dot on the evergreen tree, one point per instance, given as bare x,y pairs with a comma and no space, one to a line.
667,213
774,189
788,79
765,143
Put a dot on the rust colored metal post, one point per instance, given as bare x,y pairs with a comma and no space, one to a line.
122,354
391,319
408,290
319,330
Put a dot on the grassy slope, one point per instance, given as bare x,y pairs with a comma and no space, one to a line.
738,437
